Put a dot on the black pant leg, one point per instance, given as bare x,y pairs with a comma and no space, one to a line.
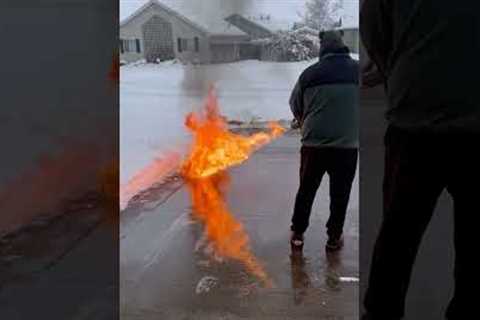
463,187
312,169
341,170
413,182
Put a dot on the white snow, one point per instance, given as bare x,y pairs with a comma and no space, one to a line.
155,98
206,284
349,279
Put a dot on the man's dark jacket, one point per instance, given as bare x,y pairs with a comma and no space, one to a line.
429,54
325,101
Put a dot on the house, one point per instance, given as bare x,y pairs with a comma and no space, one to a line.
262,29
160,32
197,34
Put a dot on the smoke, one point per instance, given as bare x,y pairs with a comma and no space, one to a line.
237,6
197,78
217,8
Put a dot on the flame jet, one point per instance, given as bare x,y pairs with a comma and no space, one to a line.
214,149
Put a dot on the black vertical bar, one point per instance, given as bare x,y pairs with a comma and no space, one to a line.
137,42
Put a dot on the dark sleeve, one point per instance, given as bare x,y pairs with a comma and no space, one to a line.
376,32
296,102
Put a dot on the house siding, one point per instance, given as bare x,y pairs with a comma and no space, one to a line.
352,39
224,52
183,30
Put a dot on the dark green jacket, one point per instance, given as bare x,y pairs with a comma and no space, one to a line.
325,101
429,54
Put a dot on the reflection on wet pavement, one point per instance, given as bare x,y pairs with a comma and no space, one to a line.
300,280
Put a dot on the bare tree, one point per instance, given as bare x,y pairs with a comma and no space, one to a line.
321,14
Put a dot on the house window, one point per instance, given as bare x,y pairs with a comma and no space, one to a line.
182,44
130,45
197,44
185,44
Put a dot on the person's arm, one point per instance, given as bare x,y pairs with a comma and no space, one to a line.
371,76
376,32
296,103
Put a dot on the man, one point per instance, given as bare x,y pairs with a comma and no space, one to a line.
428,53
324,103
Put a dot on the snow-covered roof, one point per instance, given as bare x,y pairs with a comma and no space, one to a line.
270,23
210,23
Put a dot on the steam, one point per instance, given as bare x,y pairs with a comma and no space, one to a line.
208,9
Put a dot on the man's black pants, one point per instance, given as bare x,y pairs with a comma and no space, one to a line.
418,167
340,164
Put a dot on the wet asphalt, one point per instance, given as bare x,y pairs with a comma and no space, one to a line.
164,276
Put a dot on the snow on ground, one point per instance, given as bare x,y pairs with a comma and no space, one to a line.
154,99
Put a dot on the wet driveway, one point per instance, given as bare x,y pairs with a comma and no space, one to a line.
164,275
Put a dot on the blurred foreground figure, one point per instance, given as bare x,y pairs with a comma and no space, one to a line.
427,52
324,103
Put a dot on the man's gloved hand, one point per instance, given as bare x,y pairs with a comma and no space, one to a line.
295,124
371,76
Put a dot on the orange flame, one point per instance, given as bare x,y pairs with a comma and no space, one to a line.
215,149
148,176
114,73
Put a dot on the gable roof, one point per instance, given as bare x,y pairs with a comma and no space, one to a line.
272,24
208,25
238,20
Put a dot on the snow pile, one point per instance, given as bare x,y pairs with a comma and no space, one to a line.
136,63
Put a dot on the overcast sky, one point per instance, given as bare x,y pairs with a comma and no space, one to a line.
279,9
